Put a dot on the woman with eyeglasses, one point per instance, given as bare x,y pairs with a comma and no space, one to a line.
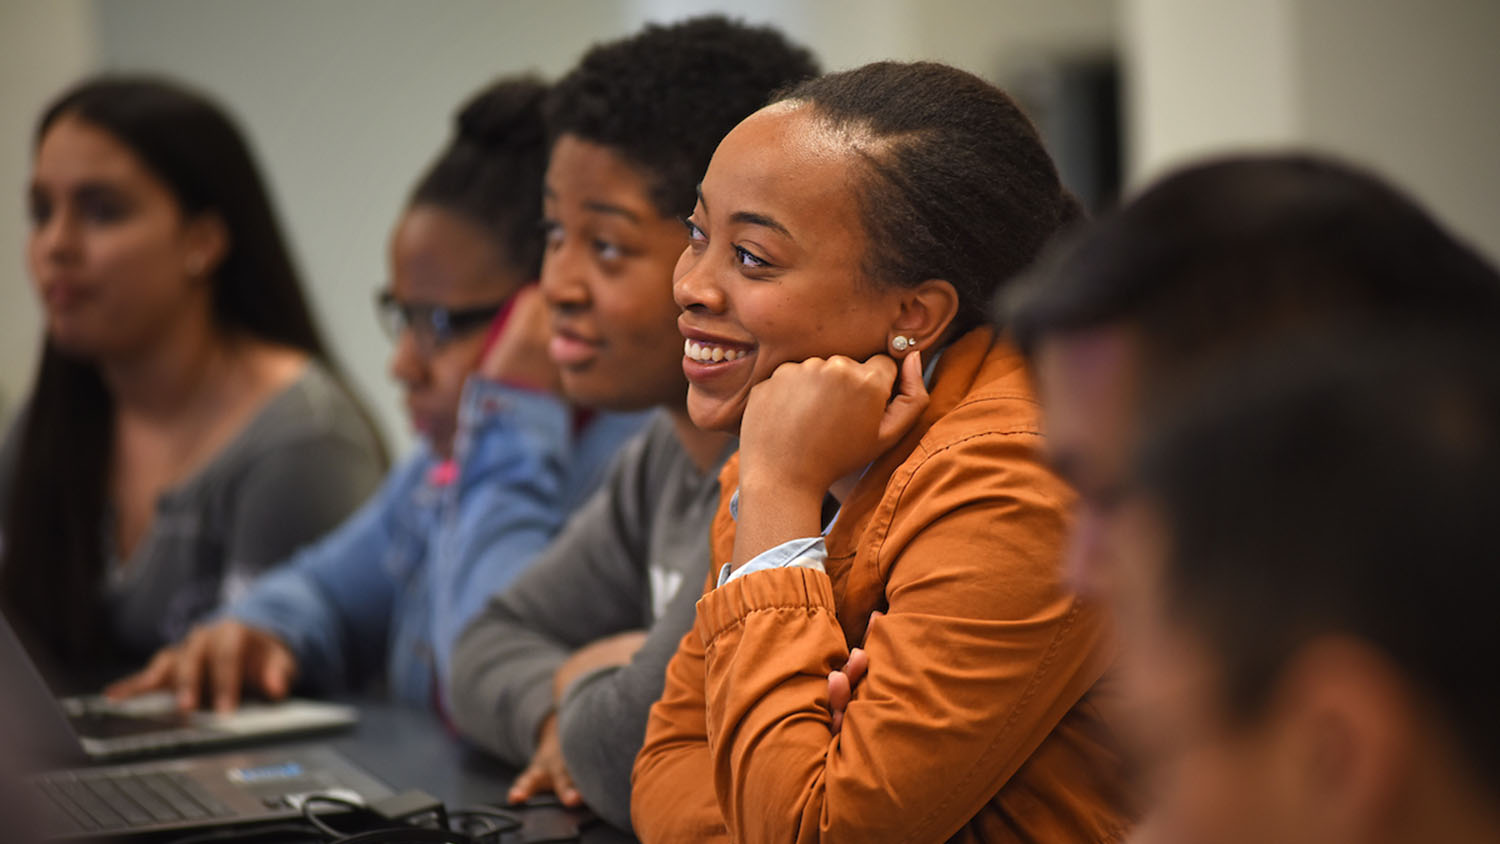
390,589
186,429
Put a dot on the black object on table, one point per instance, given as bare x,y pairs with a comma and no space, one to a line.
410,748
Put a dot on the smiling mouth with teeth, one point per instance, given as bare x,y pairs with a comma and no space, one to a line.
704,353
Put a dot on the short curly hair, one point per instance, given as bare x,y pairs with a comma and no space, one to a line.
664,98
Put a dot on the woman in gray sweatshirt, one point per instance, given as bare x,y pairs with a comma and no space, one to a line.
558,673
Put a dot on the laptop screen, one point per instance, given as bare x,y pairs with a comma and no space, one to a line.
30,718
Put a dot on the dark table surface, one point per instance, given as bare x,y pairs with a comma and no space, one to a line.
412,749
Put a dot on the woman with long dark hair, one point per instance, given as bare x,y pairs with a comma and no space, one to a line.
185,429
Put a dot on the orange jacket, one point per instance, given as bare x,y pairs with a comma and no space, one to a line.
975,721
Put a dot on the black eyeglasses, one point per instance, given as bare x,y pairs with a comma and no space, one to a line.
432,326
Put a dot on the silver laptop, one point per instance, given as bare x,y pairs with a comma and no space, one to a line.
169,794
227,789
151,725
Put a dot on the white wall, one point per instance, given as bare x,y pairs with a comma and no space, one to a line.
983,36
1407,88
1206,75
1412,89
346,100
43,46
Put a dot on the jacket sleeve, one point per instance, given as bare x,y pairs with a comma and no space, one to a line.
331,602
509,502
500,690
980,655
672,795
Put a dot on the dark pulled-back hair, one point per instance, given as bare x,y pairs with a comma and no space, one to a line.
53,554
663,98
1224,251
491,171
1343,487
957,185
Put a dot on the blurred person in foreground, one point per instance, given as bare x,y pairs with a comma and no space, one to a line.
1211,259
1306,591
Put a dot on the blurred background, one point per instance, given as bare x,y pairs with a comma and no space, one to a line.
346,100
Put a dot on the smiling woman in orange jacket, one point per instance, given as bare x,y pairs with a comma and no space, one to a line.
845,235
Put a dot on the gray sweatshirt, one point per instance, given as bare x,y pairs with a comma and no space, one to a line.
634,557
302,464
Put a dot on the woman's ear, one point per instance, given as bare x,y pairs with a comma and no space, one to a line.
926,312
206,240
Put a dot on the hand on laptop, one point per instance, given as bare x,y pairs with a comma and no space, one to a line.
221,658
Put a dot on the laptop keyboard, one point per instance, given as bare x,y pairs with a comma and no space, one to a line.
105,802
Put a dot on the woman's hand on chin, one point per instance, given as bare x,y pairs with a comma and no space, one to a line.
822,419
807,426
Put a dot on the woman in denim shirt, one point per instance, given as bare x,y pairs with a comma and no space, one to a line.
502,463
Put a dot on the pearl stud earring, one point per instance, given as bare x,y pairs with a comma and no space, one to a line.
901,344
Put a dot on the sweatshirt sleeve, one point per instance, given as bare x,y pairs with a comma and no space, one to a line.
980,655
500,690
602,718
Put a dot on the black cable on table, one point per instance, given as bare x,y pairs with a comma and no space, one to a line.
217,836
312,817
496,823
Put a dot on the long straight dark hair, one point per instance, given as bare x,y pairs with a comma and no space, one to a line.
53,557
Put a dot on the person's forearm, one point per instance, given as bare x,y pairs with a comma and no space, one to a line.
672,781
602,716
284,605
972,697
500,690
601,724
771,514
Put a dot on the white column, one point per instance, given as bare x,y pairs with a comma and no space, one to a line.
1412,89
1204,76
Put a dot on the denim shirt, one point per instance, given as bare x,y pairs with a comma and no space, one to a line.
396,583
